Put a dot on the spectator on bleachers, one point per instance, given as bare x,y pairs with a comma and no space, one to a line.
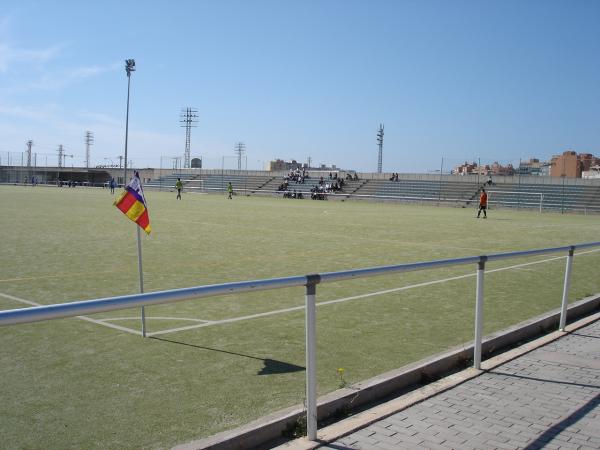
283,186
355,176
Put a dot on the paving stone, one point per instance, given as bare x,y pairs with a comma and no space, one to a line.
547,398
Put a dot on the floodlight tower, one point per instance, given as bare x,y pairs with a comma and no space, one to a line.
188,119
89,140
129,67
29,145
60,155
240,149
380,142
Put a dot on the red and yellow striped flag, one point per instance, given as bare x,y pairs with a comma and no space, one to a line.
132,203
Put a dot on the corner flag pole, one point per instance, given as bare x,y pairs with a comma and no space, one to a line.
139,246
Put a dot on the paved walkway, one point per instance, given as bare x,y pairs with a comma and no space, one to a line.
546,398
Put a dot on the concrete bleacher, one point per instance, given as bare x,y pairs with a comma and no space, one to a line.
556,197
167,182
212,183
573,195
507,195
242,184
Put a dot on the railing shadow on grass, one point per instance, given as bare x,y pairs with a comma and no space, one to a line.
271,366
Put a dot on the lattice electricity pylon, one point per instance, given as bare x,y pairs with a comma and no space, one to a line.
29,145
380,141
240,149
188,119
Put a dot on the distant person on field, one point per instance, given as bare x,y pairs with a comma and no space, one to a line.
179,187
229,190
482,204
112,185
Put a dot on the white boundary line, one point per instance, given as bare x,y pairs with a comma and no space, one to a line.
206,323
110,319
356,297
87,319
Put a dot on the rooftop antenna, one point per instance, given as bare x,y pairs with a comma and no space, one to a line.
188,119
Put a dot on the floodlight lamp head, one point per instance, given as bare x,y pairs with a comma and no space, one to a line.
129,66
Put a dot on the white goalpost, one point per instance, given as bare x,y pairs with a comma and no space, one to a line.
527,199
194,185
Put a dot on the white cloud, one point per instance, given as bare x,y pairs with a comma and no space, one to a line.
59,80
11,55
101,119
21,112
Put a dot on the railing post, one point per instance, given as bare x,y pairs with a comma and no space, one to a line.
479,313
567,285
311,356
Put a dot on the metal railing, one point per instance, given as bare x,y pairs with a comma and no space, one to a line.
57,311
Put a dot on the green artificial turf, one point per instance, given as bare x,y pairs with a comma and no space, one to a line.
74,384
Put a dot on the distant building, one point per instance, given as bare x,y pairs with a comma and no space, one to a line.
464,169
280,164
498,169
475,169
532,167
594,172
196,163
588,161
571,164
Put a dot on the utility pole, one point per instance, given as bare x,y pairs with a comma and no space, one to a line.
309,162
121,161
380,141
240,149
29,145
89,140
188,118
65,159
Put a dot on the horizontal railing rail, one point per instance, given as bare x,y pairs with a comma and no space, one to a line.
79,308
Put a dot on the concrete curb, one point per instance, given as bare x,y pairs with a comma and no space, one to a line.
270,428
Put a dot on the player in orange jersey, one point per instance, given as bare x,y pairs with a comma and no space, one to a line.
482,204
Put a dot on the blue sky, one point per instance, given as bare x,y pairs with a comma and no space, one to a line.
459,80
